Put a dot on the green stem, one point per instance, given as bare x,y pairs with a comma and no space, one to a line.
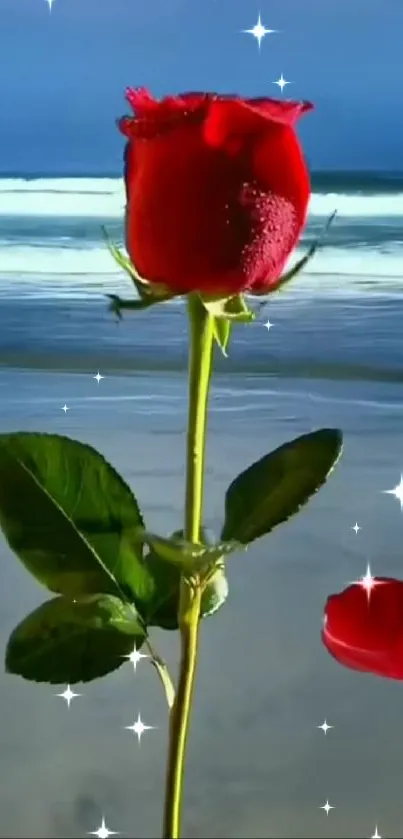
200,365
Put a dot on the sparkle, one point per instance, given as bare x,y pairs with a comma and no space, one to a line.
368,582
98,377
139,728
50,4
356,528
259,31
65,408
397,492
103,831
325,727
68,695
376,834
326,807
268,325
281,83
135,657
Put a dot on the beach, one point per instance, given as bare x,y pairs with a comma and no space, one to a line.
257,764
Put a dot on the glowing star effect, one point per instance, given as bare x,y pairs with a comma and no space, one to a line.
65,408
98,378
356,528
103,832
138,728
50,4
259,31
325,727
397,492
281,83
368,582
376,834
135,657
268,325
68,695
326,807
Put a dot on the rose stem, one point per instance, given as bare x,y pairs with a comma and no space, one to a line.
200,366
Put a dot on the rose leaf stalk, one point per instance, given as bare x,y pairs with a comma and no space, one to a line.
200,366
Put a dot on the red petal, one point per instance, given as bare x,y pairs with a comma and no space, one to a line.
128,167
236,202
236,117
364,631
141,101
283,111
152,117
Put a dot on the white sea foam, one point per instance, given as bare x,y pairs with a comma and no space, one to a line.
357,262
357,206
27,260
67,267
104,198
63,197
96,261
70,271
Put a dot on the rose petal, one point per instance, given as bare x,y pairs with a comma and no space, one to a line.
365,631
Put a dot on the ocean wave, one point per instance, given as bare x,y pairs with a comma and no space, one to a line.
63,197
104,198
61,260
68,266
357,206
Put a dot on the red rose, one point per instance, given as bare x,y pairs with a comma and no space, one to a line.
217,190
365,631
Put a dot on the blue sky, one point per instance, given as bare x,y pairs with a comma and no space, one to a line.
63,74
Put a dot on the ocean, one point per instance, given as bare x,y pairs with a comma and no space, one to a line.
56,268
258,765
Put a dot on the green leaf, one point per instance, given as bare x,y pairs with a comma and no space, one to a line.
64,642
215,593
231,308
275,487
222,334
124,262
162,611
69,516
118,305
151,292
186,555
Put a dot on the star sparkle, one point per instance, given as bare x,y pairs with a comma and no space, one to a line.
281,83
325,727
259,31
98,378
326,807
135,657
103,832
368,582
65,408
268,325
68,695
356,528
138,728
397,492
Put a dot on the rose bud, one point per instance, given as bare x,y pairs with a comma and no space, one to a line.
217,190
